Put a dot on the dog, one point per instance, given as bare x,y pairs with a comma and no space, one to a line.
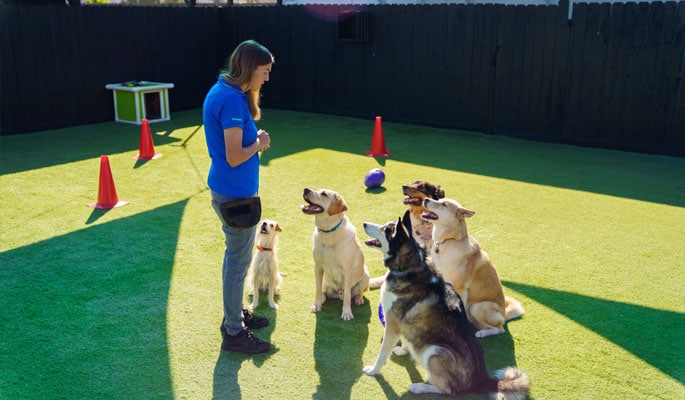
263,273
427,314
423,230
463,263
339,269
415,194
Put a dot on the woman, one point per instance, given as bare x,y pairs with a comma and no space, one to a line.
230,110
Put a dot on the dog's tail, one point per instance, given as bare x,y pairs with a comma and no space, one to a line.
512,308
377,282
512,384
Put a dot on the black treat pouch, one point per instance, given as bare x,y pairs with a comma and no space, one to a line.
242,213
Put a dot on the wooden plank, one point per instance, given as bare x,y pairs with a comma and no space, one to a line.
13,57
668,71
540,64
36,40
573,127
460,63
644,75
676,136
502,93
609,33
558,46
629,42
589,60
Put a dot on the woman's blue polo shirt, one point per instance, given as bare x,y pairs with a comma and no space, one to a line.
225,106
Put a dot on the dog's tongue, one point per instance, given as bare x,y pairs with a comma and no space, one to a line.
429,215
372,242
412,201
311,209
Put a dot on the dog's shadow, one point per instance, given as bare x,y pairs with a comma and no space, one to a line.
226,385
338,348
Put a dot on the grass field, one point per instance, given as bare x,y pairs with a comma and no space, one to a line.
125,303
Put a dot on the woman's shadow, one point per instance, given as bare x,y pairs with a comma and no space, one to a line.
226,385
338,349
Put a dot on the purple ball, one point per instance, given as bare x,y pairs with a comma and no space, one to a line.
374,178
381,317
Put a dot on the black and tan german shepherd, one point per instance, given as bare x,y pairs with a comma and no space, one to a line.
428,316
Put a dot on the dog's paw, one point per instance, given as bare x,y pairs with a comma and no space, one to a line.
359,300
423,388
347,315
315,307
400,351
370,370
488,332
253,306
273,305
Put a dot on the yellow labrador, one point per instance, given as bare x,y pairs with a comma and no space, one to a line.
463,263
339,269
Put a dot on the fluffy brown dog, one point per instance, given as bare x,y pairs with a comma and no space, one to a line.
463,263
263,273
339,269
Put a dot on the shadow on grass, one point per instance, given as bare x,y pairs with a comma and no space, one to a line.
338,349
97,214
658,179
653,335
62,146
84,314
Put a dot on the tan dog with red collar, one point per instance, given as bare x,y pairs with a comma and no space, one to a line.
263,273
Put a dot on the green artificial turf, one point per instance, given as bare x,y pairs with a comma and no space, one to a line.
126,303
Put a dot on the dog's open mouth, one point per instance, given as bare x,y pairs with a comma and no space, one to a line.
311,208
263,230
373,242
412,201
429,215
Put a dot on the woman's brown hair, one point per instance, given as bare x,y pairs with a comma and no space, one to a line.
240,66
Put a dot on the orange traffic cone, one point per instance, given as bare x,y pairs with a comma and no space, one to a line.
378,141
147,149
107,193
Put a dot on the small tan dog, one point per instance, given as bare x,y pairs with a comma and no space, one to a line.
263,273
462,262
339,270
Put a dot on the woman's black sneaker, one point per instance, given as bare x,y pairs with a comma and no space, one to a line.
245,342
253,321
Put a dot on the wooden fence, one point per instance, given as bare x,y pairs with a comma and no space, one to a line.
610,77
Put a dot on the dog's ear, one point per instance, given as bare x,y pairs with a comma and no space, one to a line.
403,226
278,228
464,212
338,206
439,193
406,220
400,230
